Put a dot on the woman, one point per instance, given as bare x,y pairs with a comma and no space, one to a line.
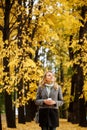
49,98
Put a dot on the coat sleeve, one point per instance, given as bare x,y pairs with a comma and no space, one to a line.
38,100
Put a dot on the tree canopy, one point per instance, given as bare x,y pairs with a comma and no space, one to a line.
39,35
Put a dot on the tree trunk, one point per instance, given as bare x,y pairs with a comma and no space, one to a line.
9,111
63,108
21,116
21,113
31,108
8,99
82,112
77,106
82,106
0,122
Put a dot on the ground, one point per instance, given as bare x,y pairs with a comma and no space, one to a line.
64,125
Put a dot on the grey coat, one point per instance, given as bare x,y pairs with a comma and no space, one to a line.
55,94
48,115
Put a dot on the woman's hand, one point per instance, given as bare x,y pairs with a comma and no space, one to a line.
49,102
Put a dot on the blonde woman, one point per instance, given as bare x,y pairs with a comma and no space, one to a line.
49,98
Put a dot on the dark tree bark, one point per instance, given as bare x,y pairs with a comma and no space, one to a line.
82,106
77,106
63,108
21,115
0,122
21,112
31,108
82,112
10,117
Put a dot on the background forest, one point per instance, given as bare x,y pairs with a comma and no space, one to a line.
36,36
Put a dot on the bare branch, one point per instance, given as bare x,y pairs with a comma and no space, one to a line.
1,28
2,5
12,26
11,4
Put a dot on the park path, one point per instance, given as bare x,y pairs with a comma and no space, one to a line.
64,125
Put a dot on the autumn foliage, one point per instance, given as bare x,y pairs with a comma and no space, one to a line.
39,35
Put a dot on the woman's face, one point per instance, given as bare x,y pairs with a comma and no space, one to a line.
49,77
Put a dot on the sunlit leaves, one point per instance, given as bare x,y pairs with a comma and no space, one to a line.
46,25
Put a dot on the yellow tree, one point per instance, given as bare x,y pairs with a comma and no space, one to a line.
70,25
24,55
75,32
5,11
42,25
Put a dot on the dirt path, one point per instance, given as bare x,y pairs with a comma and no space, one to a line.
64,125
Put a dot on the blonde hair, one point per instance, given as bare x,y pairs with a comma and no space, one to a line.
43,82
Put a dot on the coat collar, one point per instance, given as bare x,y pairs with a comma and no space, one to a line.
46,93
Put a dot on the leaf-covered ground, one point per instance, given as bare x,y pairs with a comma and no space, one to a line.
64,125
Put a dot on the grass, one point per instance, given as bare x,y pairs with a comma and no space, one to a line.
64,125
